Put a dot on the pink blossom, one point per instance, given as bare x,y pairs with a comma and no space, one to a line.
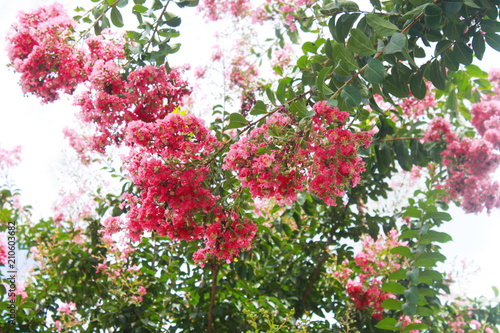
66,308
10,158
4,250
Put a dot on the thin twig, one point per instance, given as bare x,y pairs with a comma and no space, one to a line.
156,26
96,21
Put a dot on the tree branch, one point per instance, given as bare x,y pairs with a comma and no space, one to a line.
97,20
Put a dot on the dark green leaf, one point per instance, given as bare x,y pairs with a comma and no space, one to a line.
360,44
402,154
463,53
374,72
351,96
478,45
429,259
438,75
417,85
493,40
341,52
433,16
452,6
411,295
442,46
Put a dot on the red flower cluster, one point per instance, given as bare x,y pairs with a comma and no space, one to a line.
226,237
272,161
148,94
39,48
166,163
278,173
470,163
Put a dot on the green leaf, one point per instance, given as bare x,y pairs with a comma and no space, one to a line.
405,251
435,236
429,259
442,46
351,96
411,295
478,45
320,81
259,108
387,324
236,120
428,276
173,21
409,309
463,53
139,8
383,155
433,16
360,44
438,216
381,26
452,6
414,327
437,75
339,51
417,85
493,40
397,43
375,71
116,17
393,287
391,304
413,275
299,109
402,154
400,274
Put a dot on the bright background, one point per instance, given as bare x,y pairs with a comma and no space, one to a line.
38,129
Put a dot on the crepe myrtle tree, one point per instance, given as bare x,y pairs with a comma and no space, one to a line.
247,224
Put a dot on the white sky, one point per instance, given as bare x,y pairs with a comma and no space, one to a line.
38,129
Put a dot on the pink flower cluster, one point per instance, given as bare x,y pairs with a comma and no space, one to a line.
167,164
4,250
327,166
148,94
374,262
66,308
10,158
39,48
486,119
283,56
413,107
214,10
470,163
407,321
81,144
